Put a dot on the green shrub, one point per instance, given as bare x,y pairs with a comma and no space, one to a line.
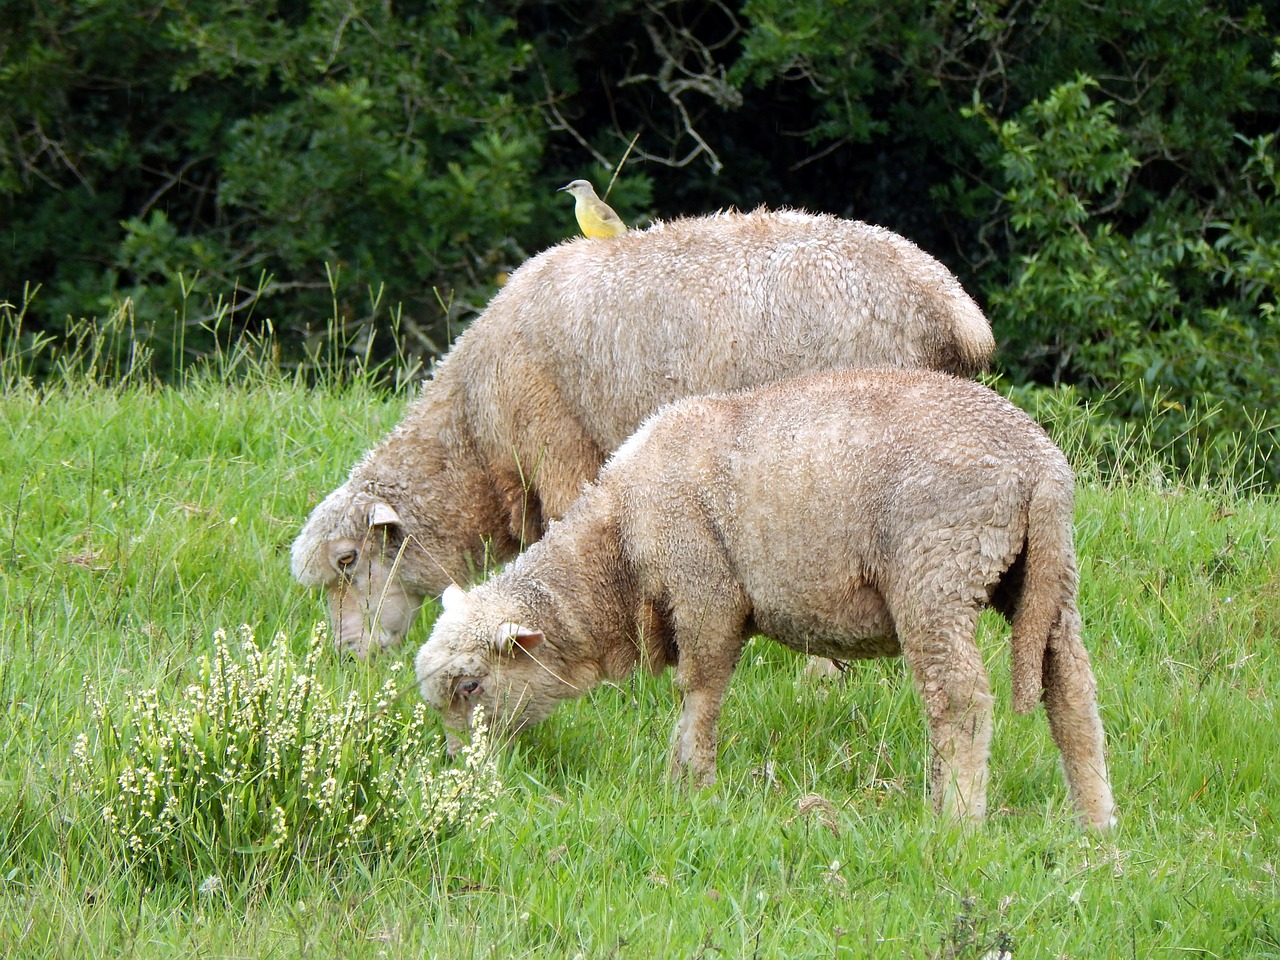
1165,318
257,764
215,158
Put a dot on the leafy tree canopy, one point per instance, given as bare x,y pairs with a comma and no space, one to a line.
1102,176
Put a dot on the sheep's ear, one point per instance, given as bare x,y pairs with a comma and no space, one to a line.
382,514
512,635
453,596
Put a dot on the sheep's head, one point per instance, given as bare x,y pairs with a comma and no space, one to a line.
477,656
353,545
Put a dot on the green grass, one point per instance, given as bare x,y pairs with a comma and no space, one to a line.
135,520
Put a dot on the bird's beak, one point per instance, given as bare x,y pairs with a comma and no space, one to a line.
564,188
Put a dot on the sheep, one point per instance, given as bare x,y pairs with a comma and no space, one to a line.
584,341
850,514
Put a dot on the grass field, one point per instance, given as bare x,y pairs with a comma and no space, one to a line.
137,520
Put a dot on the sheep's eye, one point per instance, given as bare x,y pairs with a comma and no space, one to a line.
346,560
466,688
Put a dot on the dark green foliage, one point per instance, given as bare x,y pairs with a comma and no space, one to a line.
1101,176
1174,302
264,160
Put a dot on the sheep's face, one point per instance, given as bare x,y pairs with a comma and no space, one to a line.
370,608
353,548
477,658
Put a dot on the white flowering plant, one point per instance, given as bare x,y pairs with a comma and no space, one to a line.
258,763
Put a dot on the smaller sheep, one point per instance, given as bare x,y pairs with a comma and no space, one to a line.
854,514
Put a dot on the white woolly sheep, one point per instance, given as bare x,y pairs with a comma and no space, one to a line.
585,341
853,514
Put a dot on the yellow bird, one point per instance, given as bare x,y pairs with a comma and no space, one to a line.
595,217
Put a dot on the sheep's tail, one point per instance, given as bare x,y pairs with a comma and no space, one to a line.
974,339
1047,605
957,331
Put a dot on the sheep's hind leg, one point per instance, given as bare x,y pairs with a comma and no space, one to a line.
952,681
1070,700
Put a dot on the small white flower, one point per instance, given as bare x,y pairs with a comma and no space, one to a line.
80,752
280,828
211,885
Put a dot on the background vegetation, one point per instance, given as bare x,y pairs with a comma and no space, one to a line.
1102,176
137,519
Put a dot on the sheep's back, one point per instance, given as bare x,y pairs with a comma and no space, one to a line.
831,493
720,303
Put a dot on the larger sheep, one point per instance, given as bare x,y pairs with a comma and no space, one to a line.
585,341
852,514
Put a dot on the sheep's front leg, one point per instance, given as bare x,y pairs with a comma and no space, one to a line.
953,683
694,751
710,643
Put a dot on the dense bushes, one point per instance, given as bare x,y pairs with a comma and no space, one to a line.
1170,317
1102,176
266,159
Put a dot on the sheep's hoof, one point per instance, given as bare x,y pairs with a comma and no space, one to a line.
686,773
820,668
1102,824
